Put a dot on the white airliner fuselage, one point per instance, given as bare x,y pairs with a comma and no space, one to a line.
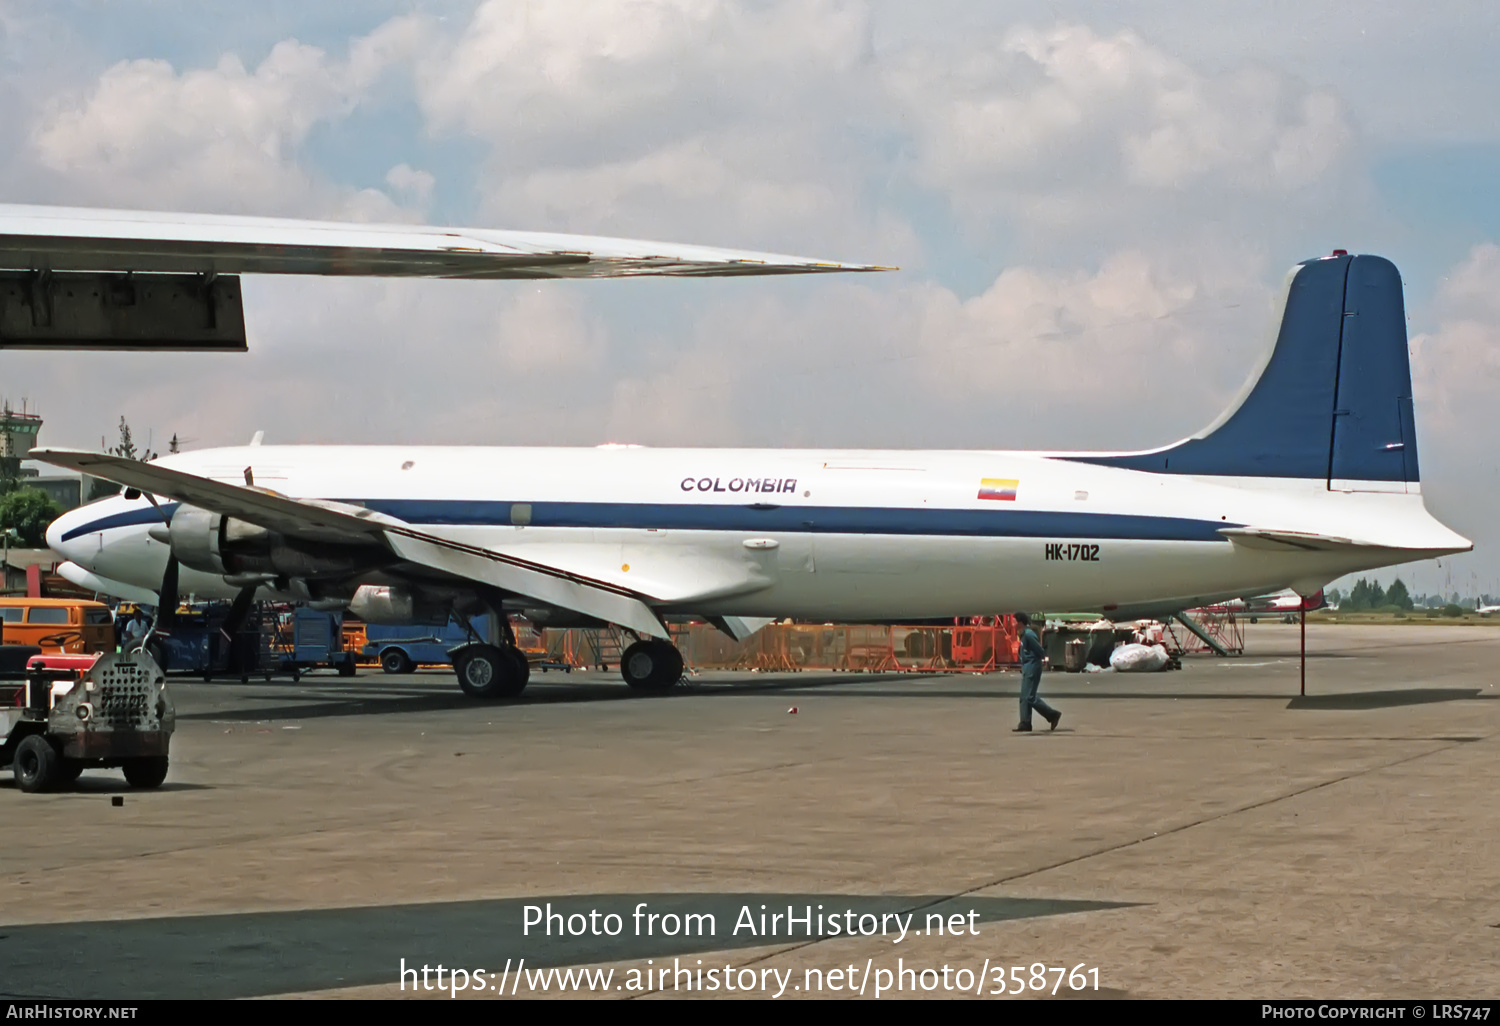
824,534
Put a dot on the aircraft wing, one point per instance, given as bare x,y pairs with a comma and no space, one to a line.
322,521
36,238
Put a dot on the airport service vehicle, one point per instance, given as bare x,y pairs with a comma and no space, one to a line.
401,648
77,712
1310,475
58,625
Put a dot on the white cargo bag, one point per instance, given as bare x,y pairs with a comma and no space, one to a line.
1139,658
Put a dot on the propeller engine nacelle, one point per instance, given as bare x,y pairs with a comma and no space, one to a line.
395,606
216,544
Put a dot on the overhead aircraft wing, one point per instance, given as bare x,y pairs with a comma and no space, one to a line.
321,521
36,238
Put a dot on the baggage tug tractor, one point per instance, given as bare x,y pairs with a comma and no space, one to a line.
85,712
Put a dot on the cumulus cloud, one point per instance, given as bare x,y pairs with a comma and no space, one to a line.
223,138
408,182
1075,115
1456,367
571,72
547,329
1140,350
709,120
1088,325
146,133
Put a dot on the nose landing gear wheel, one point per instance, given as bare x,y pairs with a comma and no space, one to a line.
485,671
651,665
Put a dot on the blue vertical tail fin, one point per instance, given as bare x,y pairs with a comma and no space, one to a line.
1333,400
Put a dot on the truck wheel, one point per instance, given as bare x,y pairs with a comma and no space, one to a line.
36,764
393,660
346,668
145,771
485,671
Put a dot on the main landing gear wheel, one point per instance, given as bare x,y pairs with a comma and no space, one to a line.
519,665
651,665
485,671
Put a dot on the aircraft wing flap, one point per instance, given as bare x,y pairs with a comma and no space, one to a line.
538,581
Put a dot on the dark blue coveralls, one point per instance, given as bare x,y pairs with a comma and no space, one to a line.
1031,679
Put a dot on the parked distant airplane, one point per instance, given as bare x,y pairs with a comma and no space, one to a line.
1310,475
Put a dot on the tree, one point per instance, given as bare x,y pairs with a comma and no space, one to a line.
97,487
1397,595
1359,596
28,511
127,448
1332,596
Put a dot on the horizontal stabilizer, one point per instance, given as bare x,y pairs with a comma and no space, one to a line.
1282,541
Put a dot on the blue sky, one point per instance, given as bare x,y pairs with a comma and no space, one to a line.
1099,195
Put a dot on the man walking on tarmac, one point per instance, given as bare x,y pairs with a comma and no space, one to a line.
1031,678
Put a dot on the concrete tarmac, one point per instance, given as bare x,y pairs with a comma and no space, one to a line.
1205,833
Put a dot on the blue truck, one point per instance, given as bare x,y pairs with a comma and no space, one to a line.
402,648
271,640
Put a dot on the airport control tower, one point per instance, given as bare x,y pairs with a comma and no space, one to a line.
18,432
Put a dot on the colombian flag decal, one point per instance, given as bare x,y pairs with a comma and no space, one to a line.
1003,488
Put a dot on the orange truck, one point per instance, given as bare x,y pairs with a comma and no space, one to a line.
58,624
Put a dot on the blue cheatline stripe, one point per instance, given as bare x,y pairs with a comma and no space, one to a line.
809,519
976,523
130,518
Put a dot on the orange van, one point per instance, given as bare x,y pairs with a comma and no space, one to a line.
58,625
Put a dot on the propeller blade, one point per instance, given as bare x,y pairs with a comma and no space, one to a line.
238,612
166,603
233,621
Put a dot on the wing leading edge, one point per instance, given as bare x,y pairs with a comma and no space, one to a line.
338,522
35,238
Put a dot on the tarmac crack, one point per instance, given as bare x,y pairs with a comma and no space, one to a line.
1133,842
1203,820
